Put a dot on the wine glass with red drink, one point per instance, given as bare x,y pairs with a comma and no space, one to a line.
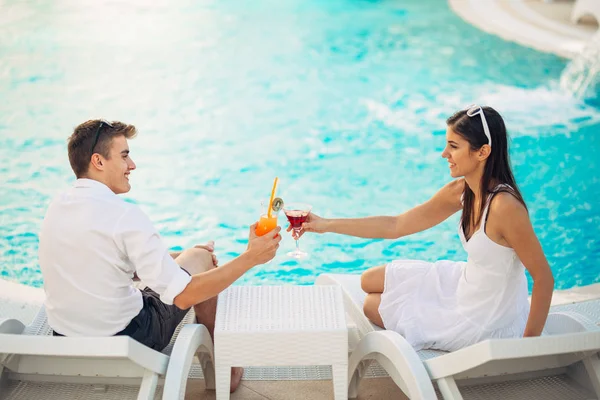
297,213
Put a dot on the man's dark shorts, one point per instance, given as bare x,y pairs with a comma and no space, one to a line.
155,324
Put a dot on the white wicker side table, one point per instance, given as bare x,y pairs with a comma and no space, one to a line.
281,325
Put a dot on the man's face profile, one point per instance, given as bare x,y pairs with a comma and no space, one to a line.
118,166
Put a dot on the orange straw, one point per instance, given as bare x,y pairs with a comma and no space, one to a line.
272,196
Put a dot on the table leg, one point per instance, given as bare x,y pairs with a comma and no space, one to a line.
222,380
340,381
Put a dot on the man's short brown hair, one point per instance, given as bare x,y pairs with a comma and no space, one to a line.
83,137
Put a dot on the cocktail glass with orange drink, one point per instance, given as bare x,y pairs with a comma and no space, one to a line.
268,222
270,210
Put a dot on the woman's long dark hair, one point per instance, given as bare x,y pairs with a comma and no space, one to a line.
497,168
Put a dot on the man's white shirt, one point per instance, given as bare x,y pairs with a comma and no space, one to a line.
91,243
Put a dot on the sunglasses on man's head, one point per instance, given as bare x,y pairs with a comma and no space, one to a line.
474,110
100,126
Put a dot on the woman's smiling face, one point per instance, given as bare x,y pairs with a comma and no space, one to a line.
458,152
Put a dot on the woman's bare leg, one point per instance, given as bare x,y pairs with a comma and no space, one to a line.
371,308
372,279
372,282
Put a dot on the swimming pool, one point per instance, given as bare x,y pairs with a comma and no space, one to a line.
345,101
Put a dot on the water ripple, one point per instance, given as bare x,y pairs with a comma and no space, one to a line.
345,101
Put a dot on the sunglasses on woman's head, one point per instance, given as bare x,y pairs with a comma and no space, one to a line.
477,110
102,123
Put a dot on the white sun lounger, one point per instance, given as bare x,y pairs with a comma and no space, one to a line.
34,364
585,7
499,368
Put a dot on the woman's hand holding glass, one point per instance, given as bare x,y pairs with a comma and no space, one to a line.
313,223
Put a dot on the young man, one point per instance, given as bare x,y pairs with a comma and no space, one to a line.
93,244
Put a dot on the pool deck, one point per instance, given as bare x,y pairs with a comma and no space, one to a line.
22,302
542,25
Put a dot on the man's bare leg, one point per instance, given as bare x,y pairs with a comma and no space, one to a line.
196,261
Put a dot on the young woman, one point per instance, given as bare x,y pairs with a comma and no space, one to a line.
448,305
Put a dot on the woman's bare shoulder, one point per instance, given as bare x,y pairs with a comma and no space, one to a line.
452,191
507,205
455,187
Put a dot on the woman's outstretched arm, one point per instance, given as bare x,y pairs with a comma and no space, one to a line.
424,216
516,229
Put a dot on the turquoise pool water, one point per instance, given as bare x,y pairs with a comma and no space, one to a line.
344,100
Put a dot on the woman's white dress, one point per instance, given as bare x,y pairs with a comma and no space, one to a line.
448,305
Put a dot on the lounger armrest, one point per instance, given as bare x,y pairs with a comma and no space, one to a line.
192,339
398,358
12,326
118,347
561,322
522,354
